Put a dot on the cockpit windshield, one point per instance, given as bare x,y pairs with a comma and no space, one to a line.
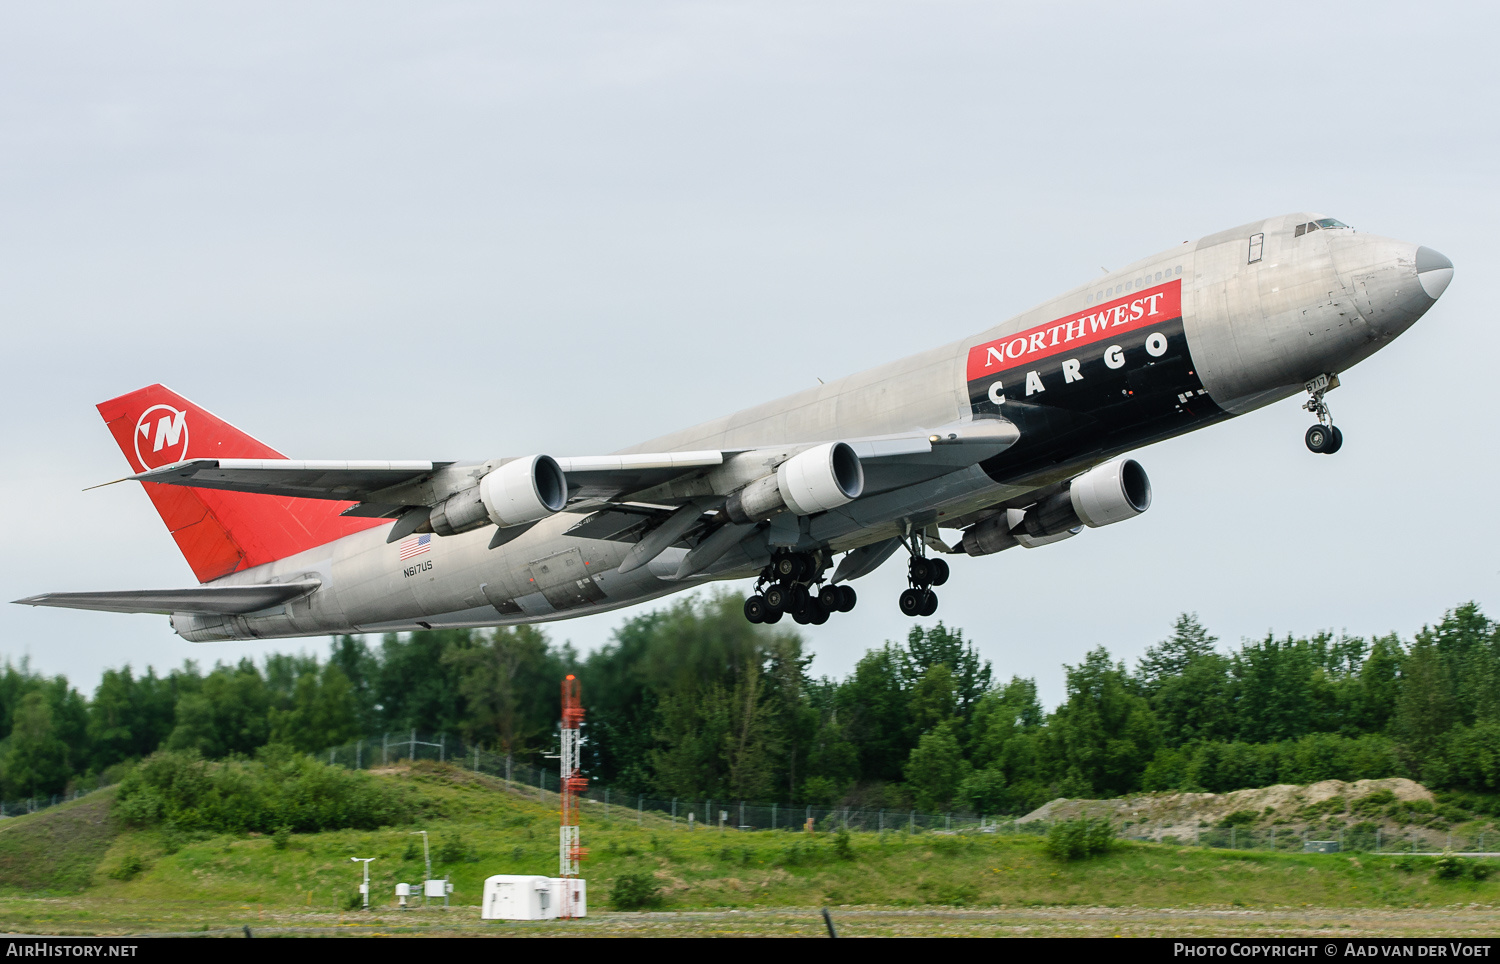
1322,224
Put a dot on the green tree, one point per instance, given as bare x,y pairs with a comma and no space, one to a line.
937,769
1170,658
36,760
1104,734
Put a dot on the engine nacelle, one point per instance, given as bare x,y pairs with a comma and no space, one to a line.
1110,493
1105,494
524,490
823,477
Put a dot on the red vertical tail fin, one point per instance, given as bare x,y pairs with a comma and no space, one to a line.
218,532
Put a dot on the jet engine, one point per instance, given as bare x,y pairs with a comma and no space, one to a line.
520,491
1102,496
823,477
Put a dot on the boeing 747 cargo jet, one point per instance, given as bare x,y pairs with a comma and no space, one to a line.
1016,436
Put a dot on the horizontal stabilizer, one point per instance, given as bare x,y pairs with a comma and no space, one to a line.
303,479
222,600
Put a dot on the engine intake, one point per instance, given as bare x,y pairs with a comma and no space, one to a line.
524,490
823,477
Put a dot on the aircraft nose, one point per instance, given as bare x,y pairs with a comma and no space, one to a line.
1434,272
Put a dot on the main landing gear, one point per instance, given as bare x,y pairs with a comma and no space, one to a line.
786,587
922,573
1323,438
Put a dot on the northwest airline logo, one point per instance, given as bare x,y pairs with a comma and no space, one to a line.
161,437
1149,306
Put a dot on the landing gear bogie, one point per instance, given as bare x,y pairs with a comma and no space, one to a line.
786,588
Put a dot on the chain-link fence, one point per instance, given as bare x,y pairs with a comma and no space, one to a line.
707,813
17,808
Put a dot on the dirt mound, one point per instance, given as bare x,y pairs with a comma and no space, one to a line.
1177,807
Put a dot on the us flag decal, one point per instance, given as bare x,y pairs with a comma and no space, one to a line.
415,546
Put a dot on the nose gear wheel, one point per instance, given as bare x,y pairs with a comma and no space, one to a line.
1323,438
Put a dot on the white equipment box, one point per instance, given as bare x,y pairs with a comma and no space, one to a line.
562,887
518,897
522,897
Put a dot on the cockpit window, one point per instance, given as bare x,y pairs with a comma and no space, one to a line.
1318,225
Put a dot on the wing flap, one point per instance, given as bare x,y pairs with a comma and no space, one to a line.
220,600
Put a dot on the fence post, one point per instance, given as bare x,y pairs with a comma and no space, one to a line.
640,804
476,759
507,769
1377,839
358,747
809,812
742,813
442,748
674,813
412,754
773,816
913,821
948,821
606,801
1273,839
882,820
385,740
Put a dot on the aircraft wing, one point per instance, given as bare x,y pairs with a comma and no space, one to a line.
387,489
223,600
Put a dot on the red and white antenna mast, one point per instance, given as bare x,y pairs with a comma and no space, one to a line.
569,848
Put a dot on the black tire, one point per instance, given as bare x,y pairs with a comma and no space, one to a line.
776,599
920,571
940,571
1319,439
797,598
1338,441
847,598
911,602
755,609
828,600
803,616
772,616
929,604
787,567
819,616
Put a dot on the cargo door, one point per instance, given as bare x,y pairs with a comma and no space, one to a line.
564,579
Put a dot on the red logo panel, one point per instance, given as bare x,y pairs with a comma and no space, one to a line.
1140,309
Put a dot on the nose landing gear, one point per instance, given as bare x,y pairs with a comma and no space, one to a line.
1323,438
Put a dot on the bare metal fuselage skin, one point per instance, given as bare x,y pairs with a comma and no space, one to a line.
1225,335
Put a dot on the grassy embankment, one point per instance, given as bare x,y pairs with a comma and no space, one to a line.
69,869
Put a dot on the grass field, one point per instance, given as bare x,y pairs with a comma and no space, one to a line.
71,870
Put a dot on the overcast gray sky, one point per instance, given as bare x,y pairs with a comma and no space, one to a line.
451,230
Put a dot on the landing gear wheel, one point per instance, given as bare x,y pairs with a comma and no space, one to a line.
939,570
772,616
929,604
756,609
776,599
920,571
1320,439
798,598
803,616
911,602
787,567
827,601
847,598
1338,441
819,615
